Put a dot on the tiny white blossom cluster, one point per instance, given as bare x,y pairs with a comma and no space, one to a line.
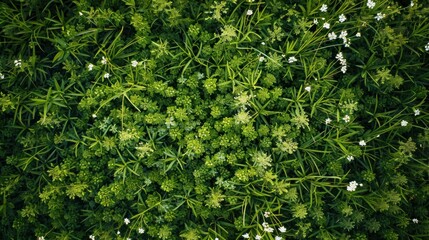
380,16
415,220
342,18
346,118
362,143
343,61
353,185
324,8
404,123
92,237
350,158
416,112
249,12
328,121
1,76
292,60
370,4
18,63
427,47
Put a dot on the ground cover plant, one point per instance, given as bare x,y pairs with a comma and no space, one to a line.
225,119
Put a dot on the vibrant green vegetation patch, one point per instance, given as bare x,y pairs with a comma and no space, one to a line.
183,119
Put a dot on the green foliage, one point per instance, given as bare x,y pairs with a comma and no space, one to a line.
214,119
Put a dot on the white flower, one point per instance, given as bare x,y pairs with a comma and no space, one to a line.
308,89
370,4
18,63
404,123
249,12
332,36
352,186
103,60
80,13
258,237
362,143
269,229
92,237
1,76
216,238
344,69
127,221
90,67
265,224
128,238
278,238
282,229
415,220
326,25
94,115
350,158
263,43
246,235
346,118
324,8
380,16
315,21
342,18
328,121
267,214
134,63
141,230
358,34
106,75
416,112
427,46
118,232
41,238
292,59
343,35
411,4
261,58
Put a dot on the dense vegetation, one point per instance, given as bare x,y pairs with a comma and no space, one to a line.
227,119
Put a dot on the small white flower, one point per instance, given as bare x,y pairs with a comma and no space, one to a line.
94,115
92,237
18,63
404,123
282,229
343,35
350,158
326,25
118,232
324,8
263,43
315,21
265,224
415,220
346,118
411,4
127,221
292,59
1,76
216,238
249,12
362,143
278,238
332,36
380,16
141,230
106,75
416,112
308,89
267,214
258,237
200,76
370,4
128,238
342,18
80,13
344,69
246,235
427,46
269,229
352,186
90,67
41,238
134,63
261,58
358,34
103,60
328,121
